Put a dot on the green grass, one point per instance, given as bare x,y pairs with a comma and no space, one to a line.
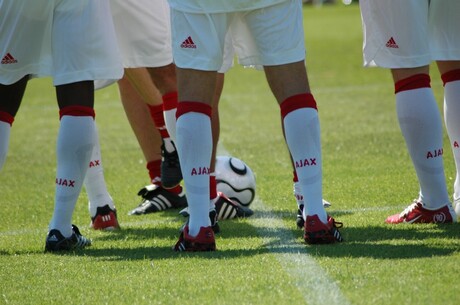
261,260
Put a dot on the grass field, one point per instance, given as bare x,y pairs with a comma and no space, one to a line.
261,260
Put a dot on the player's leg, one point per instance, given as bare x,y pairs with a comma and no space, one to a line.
100,204
144,36
283,59
450,73
141,122
194,141
141,78
407,54
417,111
298,194
146,90
220,206
77,61
421,125
75,143
196,82
445,46
165,80
154,197
302,133
10,100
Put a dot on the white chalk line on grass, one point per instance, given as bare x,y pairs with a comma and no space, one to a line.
311,280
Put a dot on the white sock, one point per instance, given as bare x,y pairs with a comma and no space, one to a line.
5,129
298,194
94,182
194,145
452,119
74,147
302,133
169,146
421,126
170,103
170,122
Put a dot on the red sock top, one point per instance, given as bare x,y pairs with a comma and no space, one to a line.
170,100
413,82
304,100
212,186
154,168
185,107
156,112
6,117
77,111
450,76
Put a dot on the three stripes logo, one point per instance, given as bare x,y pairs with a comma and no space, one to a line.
106,218
227,212
161,203
8,59
391,43
225,208
188,44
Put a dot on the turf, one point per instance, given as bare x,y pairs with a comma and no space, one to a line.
262,260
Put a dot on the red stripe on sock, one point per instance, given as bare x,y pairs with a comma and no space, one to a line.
156,112
170,100
175,190
212,187
304,100
450,76
6,117
77,111
184,107
295,178
413,82
154,168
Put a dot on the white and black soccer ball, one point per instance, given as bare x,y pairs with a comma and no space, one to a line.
235,179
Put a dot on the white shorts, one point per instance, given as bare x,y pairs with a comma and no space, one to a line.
69,40
229,55
263,37
410,33
143,29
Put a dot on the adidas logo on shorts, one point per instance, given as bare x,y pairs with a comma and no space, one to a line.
8,59
188,44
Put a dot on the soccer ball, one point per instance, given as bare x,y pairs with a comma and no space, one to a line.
235,179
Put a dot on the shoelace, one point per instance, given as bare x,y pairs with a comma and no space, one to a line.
409,209
337,224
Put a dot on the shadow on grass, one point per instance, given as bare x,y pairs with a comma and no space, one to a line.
375,241
402,241
379,242
161,253
134,243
